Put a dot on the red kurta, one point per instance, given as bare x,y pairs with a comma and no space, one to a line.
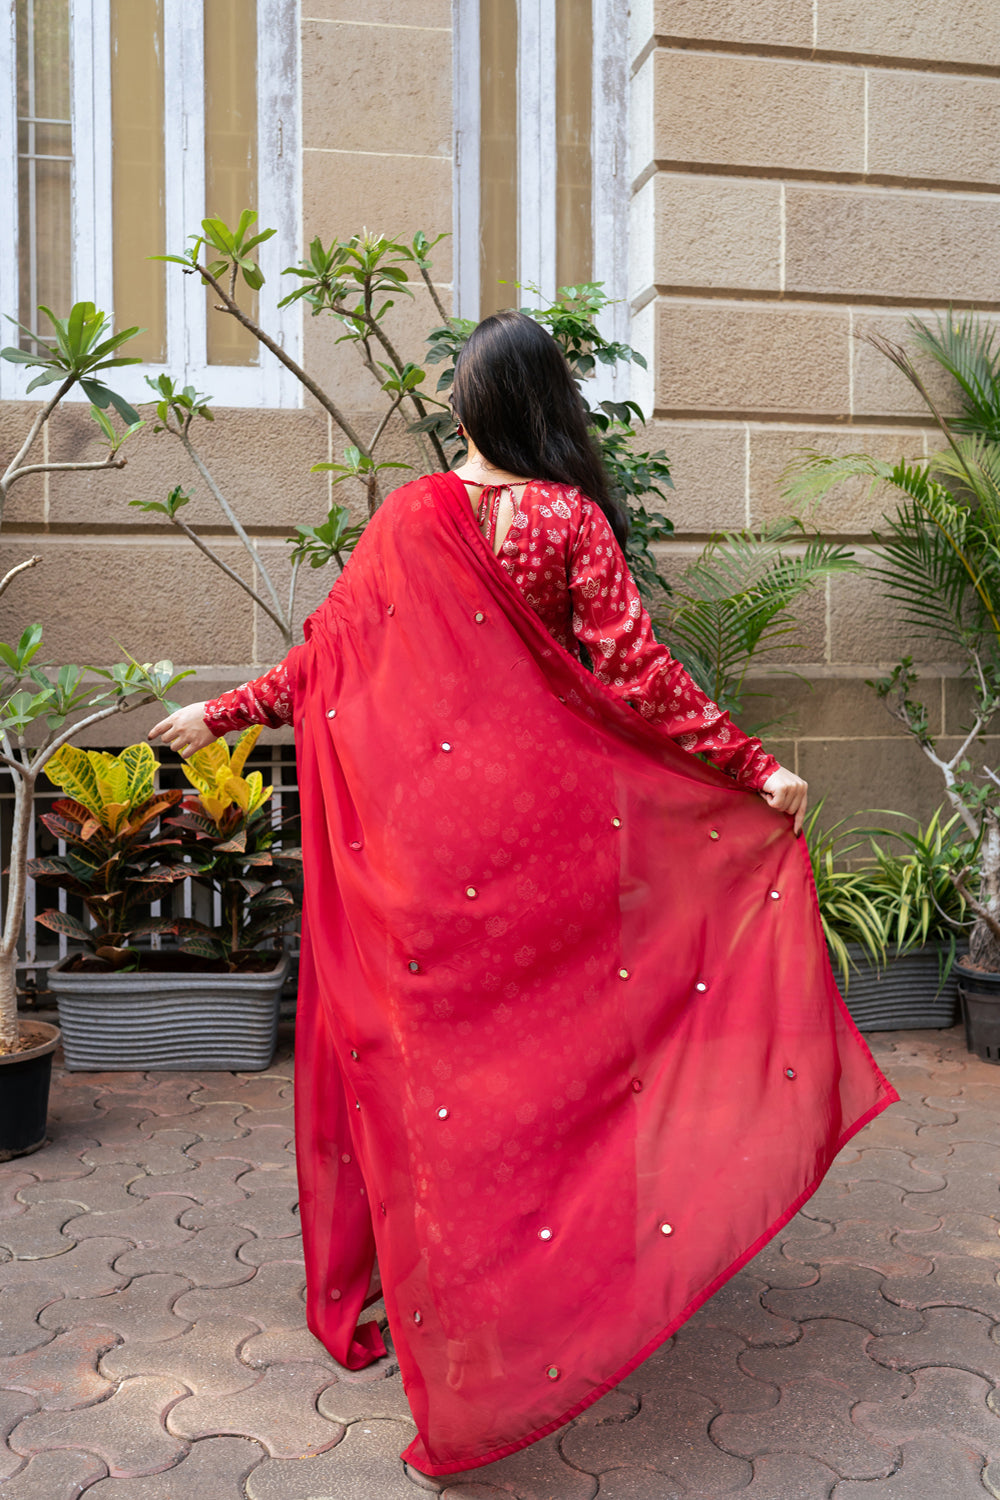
568,1048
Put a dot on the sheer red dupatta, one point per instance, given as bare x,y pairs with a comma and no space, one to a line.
569,1050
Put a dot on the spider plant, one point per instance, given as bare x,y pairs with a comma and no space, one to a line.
736,600
940,563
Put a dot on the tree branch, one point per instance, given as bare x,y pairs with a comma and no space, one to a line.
232,518
980,910
231,573
102,463
41,418
433,291
232,307
8,577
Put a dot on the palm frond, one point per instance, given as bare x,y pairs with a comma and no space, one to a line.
966,347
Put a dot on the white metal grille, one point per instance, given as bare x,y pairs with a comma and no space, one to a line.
39,948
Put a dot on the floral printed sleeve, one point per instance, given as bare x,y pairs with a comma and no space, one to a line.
609,619
266,700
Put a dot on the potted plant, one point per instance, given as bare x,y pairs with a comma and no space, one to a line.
940,562
210,999
34,709
895,922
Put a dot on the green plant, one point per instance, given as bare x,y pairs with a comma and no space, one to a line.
118,858
735,600
47,707
940,563
915,887
228,837
848,905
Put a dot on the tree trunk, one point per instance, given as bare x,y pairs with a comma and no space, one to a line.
24,799
984,945
9,1031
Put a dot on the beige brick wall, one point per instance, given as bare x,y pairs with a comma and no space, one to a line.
804,172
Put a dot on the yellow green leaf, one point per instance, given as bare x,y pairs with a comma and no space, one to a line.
242,748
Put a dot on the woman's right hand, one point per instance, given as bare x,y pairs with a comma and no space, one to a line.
184,730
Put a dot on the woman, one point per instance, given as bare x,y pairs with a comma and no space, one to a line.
568,1049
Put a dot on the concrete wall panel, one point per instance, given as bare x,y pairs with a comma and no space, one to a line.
748,357
758,112
935,30
934,125
877,244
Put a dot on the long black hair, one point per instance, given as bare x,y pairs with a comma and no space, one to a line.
516,396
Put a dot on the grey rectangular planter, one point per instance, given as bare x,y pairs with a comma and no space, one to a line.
143,1022
905,995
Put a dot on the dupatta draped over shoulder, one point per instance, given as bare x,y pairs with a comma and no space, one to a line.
569,1050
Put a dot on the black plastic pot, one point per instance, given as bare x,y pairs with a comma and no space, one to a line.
24,1095
980,996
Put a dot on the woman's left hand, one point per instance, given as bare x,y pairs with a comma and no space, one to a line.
787,793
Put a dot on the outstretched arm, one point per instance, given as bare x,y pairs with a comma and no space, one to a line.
608,617
267,700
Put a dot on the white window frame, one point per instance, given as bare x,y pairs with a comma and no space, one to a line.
536,125
266,383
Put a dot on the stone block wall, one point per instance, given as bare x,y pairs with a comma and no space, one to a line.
804,172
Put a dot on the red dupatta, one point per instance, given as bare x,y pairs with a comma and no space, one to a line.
569,1050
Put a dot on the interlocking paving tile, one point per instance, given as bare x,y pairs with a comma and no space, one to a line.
283,1346
774,1268
210,1122
126,1430
62,1373
860,1242
60,1161
257,1252
162,1152
911,1174
269,1209
787,1476
149,1221
953,1281
102,1191
671,1433
971,1123
59,1474
631,1483
620,1404
10,1185
20,1304
14,1405
974,1235
37,1233
709,1361
365,1463
932,1468
951,1402
207,1259
475,1491
852,1293
272,1298
264,1143
142,1310
278,1410
950,1336
535,1473
214,1467
880,1202
261,1091
120,1123
205,1182
813,1416
84,1270
351,1401
737,1306
204,1357
833,1349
